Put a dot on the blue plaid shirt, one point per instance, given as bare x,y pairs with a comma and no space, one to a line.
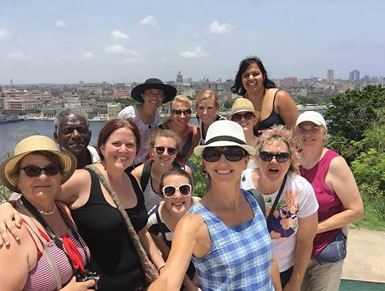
239,256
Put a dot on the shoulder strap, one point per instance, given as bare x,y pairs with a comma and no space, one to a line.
258,196
161,228
276,200
146,173
275,95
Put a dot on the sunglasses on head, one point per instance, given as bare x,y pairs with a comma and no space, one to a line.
232,154
35,171
280,157
179,112
238,116
161,150
169,190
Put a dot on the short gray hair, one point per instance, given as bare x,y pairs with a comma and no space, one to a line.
67,112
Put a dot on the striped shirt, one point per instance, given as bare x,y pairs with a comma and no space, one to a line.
239,257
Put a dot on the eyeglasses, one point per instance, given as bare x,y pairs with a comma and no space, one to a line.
232,154
161,150
280,157
238,116
179,112
169,190
35,171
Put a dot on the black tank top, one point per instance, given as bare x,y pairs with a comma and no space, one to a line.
273,119
113,254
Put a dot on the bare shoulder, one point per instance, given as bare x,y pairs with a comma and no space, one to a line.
192,224
75,189
284,97
137,172
337,165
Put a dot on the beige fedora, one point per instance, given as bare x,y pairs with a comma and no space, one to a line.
243,105
32,144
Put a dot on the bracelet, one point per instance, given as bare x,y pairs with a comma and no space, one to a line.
161,267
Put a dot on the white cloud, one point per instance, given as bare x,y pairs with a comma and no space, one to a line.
4,34
217,28
116,49
198,52
118,35
60,23
88,56
16,56
148,20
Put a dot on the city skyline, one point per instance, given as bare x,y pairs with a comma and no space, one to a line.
46,41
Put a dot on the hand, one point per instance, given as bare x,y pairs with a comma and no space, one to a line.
10,222
79,286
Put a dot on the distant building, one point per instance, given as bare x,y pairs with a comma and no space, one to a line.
113,109
179,78
290,81
330,76
354,76
120,93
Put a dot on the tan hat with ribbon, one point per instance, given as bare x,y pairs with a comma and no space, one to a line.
30,145
243,105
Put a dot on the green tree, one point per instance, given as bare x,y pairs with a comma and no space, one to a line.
229,103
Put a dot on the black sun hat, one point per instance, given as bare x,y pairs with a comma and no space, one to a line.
153,83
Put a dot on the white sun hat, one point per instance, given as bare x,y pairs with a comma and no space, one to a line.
312,116
225,133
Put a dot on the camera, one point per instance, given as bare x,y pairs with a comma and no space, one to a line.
88,275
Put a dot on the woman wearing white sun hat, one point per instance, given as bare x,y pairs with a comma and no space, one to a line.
225,234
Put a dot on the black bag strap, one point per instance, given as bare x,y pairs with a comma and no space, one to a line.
161,228
146,173
276,200
261,202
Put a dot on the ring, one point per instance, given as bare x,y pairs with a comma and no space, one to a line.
2,226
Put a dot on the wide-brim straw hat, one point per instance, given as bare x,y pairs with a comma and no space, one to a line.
225,133
153,83
30,145
243,105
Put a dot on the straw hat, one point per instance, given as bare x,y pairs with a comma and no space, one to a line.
32,144
153,83
225,133
312,116
243,105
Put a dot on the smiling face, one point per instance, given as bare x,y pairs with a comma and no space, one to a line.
224,171
274,171
180,107
153,97
252,79
177,204
164,159
42,186
120,148
206,110
73,134
247,121
311,135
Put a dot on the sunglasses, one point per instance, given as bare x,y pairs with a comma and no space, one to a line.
161,150
35,171
280,157
179,112
232,154
238,116
169,190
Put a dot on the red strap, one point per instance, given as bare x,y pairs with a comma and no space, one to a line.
73,253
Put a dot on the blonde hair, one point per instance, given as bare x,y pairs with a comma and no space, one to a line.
206,94
163,133
182,99
280,133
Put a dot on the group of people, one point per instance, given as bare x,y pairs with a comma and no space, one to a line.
95,219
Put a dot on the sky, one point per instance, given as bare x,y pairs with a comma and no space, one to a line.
66,41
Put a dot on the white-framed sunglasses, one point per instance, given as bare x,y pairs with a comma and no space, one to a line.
170,190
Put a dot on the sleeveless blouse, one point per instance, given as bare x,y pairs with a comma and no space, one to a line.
239,257
273,119
329,203
42,277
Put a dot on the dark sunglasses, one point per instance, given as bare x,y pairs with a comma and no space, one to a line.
179,112
280,157
238,116
35,171
161,150
232,154
169,190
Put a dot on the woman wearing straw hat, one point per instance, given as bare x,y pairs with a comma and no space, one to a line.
225,234
151,95
50,253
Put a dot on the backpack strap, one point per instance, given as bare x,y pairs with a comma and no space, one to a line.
146,173
258,196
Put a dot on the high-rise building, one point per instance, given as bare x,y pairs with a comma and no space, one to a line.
330,77
179,78
354,75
